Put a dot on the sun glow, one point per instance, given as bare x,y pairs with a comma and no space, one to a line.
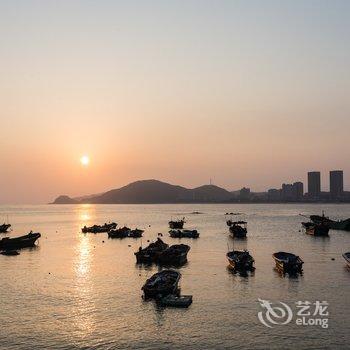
85,160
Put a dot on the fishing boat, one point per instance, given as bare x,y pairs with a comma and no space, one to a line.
162,284
315,229
240,260
174,255
184,233
136,233
172,300
4,228
150,254
121,232
9,252
238,229
25,241
332,224
177,224
288,262
99,228
346,256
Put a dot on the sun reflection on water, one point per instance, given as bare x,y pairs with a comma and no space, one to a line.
84,306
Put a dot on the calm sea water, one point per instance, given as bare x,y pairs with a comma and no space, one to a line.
80,291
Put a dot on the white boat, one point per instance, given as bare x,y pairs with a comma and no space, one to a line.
346,256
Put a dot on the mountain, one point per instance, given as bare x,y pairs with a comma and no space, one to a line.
65,200
153,191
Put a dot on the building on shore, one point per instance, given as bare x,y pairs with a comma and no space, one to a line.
336,184
314,184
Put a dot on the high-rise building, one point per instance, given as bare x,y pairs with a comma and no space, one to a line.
336,184
298,191
274,195
314,184
287,192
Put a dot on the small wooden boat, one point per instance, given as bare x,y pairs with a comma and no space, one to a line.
162,284
346,256
288,262
238,229
172,300
26,241
332,224
121,232
150,254
99,228
175,255
315,229
125,232
9,252
4,228
184,233
240,260
177,224
136,233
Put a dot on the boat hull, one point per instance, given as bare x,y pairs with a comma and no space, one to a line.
162,284
26,241
346,256
288,263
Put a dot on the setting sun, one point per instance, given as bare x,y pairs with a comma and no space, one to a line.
85,160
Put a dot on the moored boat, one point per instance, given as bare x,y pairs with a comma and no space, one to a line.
172,300
25,241
288,262
238,229
9,252
240,260
184,233
332,224
346,256
175,255
162,284
99,228
4,228
121,232
177,224
150,254
315,229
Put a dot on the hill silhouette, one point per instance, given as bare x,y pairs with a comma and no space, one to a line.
153,191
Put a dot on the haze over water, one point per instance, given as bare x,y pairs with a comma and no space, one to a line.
74,291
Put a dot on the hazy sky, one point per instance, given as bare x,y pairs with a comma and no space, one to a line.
248,93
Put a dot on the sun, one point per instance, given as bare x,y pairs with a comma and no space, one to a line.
85,160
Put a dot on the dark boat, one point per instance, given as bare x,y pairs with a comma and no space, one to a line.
150,254
121,232
346,256
288,262
4,228
172,300
125,232
240,260
184,233
26,241
175,255
136,233
331,224
99,228
9,252
177,224
162,284
238,229
315,229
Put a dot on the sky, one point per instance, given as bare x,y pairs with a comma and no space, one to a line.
247,93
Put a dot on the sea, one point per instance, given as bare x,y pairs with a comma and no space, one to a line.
83,291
